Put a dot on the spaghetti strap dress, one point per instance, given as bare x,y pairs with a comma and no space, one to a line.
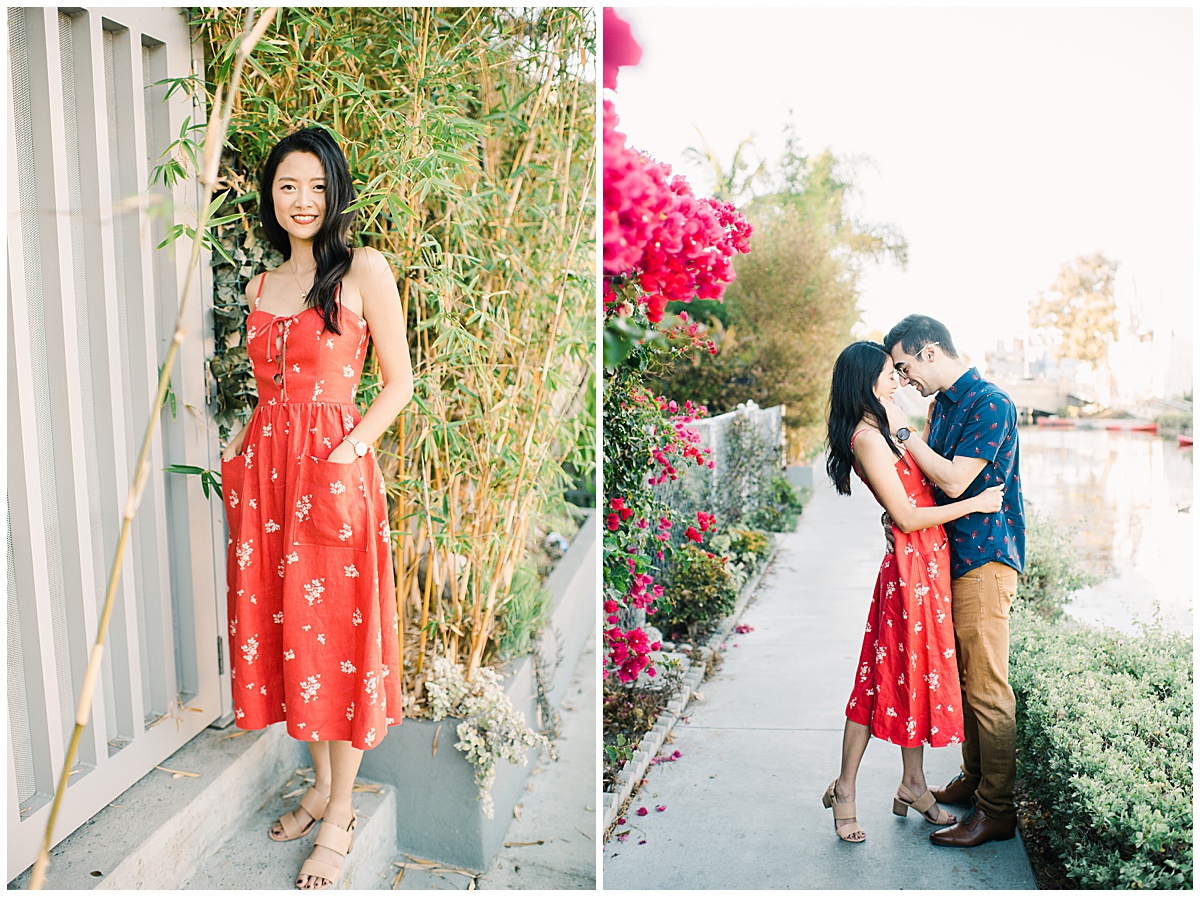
906,688
311,593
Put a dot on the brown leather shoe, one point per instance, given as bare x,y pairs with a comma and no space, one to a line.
957,792
974,829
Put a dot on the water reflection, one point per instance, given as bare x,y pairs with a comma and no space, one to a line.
1128,497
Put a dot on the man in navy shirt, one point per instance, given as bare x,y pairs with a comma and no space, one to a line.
969,444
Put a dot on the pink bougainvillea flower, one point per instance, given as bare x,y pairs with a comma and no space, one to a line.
612,521
642,811
619,47
693,535
743,628
623,837
617,504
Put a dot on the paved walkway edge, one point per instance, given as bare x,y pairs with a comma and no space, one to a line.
635,768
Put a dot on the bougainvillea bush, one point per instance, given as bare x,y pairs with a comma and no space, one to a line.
662,243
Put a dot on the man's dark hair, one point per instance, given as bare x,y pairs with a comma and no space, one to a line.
916,332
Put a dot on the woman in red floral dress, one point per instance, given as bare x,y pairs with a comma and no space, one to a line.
906,687
312,600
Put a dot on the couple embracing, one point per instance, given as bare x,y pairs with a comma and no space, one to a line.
934,662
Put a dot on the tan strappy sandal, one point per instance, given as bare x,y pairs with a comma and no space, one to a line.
844,810
312,802
339,840
922,805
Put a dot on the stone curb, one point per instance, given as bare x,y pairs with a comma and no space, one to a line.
635,768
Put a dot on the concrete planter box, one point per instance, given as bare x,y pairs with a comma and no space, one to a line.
801,476
438,814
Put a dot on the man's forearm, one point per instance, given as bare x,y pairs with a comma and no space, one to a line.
940,470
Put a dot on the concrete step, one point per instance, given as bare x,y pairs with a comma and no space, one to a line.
155,832
249,860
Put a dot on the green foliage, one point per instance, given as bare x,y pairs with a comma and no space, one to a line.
1079,311
524,613
700,592
791,307
779,510
1173,423
469,134
748,543
1104,742
210,480
1052,567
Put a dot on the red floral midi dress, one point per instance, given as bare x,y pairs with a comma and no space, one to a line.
906,687
311,594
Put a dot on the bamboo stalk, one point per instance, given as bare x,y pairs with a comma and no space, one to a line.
218,127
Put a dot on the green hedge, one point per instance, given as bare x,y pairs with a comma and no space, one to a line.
1104,744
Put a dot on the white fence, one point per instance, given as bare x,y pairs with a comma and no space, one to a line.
90,313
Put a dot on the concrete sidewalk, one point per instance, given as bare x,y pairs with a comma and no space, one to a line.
743,802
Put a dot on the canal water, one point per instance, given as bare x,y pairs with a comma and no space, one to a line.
1127,498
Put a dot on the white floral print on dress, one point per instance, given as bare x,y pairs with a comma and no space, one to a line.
352,572
337,487
271,526
243,552
345,532
303,507
314,590
250,649
309,688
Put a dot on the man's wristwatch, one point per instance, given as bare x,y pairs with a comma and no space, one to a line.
903,433
360,448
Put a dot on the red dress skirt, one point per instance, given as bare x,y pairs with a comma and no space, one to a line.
311,593
906,687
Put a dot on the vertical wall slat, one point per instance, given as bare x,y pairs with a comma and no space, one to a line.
34,497
62,353
103,343
149,531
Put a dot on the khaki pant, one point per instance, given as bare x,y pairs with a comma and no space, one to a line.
982,598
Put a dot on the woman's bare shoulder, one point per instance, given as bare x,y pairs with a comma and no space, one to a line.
367,261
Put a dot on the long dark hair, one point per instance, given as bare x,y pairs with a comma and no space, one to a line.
851,396
331,249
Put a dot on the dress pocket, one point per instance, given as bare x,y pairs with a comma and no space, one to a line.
331,505
233,476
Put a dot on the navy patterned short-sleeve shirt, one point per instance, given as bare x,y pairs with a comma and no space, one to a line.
977,419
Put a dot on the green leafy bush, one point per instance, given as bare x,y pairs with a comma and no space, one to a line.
700,592
1104,744
779,507
1052,570
749,543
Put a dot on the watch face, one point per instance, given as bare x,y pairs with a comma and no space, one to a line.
903,433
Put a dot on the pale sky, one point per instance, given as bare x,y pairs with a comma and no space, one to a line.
1003,142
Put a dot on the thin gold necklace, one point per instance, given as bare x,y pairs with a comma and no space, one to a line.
303,290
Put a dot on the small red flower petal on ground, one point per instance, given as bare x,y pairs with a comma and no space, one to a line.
641,842
642,811
623,837
660,807
621,821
